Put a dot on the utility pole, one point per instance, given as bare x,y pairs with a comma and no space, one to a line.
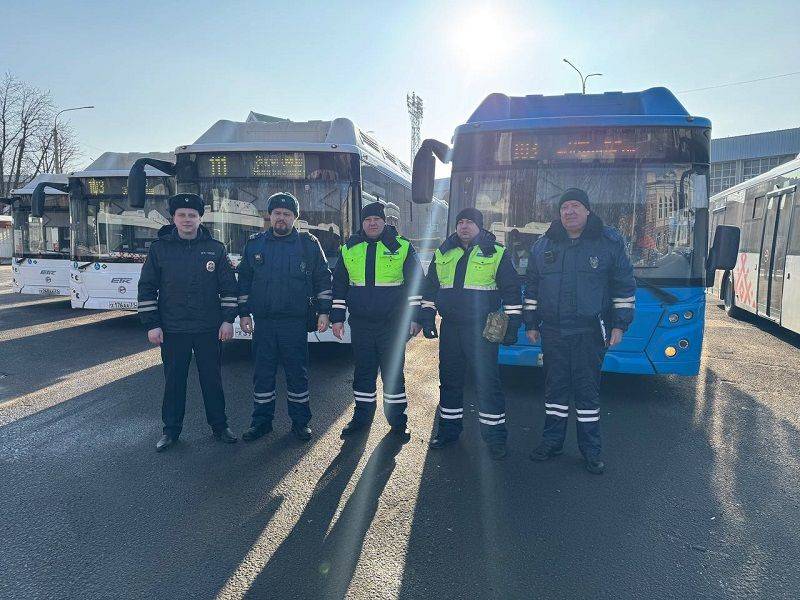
414,104
583,79
55,135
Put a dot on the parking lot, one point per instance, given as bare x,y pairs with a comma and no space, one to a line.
699,499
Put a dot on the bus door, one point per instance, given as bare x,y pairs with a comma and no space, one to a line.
773,252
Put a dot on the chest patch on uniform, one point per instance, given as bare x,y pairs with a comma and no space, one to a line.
210,266
259,258
594,261
302,266
207,253
549,257
390,253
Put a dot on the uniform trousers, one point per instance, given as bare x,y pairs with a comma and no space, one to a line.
379,347
463,348
280,342
176,354
572,366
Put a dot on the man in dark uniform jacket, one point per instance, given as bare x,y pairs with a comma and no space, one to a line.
187,302
281,271
580,293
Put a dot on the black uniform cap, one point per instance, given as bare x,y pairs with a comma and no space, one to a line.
283,200
576,194
472,214
374,209
186,201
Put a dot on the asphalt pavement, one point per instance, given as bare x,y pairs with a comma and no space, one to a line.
699,499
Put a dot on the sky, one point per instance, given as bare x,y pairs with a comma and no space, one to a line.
161,73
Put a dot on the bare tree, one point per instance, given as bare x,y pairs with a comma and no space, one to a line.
26,135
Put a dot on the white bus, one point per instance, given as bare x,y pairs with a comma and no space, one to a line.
110,239
766,278
331,167
40,261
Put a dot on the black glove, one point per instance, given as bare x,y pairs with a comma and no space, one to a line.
511,337
429,331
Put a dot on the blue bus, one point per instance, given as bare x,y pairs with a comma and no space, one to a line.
644,161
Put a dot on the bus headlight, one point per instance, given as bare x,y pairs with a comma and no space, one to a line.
673,318
688,315
683,344
670,351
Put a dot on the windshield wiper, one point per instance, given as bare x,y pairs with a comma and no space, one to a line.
658,291
83,267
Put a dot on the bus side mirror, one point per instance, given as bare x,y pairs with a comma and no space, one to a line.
38,196
724,252
75,190
137,179
424,170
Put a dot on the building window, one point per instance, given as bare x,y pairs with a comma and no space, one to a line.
723,176
757,166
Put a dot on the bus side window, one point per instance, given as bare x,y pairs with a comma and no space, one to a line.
794,231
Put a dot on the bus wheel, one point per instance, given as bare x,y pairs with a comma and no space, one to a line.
730,300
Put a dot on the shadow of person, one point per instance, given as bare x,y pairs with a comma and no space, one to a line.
315,560
293,565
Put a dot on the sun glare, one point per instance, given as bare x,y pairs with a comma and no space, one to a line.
482,39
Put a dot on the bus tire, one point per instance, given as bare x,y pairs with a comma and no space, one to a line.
730,300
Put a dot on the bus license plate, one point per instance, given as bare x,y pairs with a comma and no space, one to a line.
122,304
49,292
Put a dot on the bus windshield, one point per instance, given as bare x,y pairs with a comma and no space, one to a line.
47,236
105,227
658,206
236,187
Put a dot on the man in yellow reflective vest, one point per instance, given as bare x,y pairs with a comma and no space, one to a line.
471,276
377,278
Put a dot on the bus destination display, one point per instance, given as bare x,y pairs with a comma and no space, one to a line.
279,165
117,187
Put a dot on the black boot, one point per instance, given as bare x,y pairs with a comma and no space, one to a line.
497,451
256,431
301,432
166,442
595,465
225,436
354,427
401,432
545,452
441,441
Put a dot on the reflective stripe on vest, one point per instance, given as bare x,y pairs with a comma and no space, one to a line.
481,270
388,264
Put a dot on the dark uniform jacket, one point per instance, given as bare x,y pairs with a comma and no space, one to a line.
375,303
466,306
187,286
279,274
605,287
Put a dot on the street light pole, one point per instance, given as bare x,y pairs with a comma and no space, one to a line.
55,135
583,79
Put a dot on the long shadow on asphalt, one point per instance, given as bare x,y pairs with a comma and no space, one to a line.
682,511
64,353
37,312
93,511
326,571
